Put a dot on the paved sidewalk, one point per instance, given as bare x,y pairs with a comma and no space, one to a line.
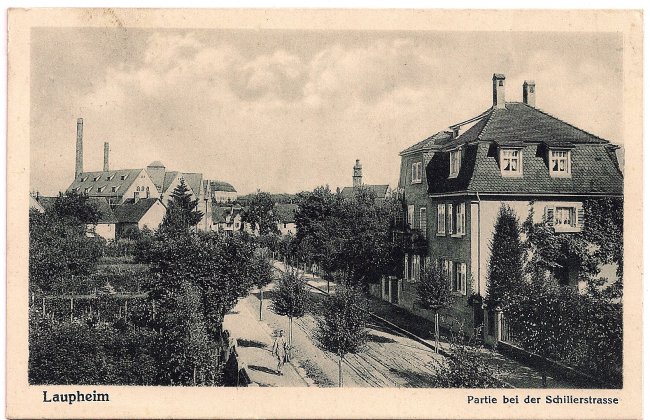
254,342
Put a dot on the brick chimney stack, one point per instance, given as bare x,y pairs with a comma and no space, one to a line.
79,161
105,156
499,91
529,93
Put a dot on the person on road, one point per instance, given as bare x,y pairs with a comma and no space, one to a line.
279,350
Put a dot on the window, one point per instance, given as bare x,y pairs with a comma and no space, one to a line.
147,192
97,178
84,178
560,162
423,220
450,219
454,163
136,195
411,216
565,217
87,190
460,219
114,189
511,162
416,172
461,278
415,268
109,177
500,82
441,219
406,266
100,189
123,177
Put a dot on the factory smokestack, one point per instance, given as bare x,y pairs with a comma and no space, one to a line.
105,156
79,162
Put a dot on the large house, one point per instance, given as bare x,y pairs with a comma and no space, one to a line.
223,192
454,182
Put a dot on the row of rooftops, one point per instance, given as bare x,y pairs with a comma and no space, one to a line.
130,211
285,212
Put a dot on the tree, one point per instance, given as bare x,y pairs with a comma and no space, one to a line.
182,213
342,329
261,273
290,298
71,205
261,214
434,294
506,267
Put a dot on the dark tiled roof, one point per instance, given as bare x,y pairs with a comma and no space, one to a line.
46,202
286,213
106,215
221,186
379,190
131,212
107,180
593,171
192,180
219,213
437,139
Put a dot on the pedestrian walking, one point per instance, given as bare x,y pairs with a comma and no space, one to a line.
279,350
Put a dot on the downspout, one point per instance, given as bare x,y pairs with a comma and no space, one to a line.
478,224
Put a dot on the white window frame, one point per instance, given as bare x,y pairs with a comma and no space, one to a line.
507,158
410,217
559,155
416,172
460,285
450,218
406,266
423,220
441,219
455,161
554,214
460,219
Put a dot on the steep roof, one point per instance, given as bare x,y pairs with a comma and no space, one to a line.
594,168
430,142
379,190
46,202
131,212
106,215
219,213
221,186
33,204
286,213
105,180
192,180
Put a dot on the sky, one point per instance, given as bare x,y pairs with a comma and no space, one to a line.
289,110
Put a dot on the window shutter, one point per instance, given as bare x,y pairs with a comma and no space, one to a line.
461,219
441,219
406,266
580,211
450,219
413,167
549,213
463,278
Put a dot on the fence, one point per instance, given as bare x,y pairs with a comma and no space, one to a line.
507,332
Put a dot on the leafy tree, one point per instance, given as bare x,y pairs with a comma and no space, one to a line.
261,214
604,228
342,329
71,205
367,251
506,267
61,256
261,274
434,294
290,298
466,367
182,213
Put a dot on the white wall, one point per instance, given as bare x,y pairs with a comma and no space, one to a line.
153,217
105,230
143,181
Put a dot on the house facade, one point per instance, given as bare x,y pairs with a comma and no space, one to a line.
223,192
286,214
453,184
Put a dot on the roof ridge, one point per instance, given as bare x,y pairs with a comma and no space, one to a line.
490,113
562,121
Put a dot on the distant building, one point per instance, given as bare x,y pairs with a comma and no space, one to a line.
286,214
139,214
34,204
223,192
381,191
227,219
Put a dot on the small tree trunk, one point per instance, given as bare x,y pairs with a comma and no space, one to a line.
340,370
261,301
290,330
437,331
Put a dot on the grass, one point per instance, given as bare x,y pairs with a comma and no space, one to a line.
315,374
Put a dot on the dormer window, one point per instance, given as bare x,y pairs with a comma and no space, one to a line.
123,177
559,163
416,172
84,178
511,162
100,189
114,188
454,163
87,190
109,177
97,178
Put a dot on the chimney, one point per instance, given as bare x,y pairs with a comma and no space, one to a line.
105,156
529,92
499,91
79,161
357,176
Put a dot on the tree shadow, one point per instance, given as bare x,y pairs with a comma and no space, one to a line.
262,369
242,342
373,338
416,379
